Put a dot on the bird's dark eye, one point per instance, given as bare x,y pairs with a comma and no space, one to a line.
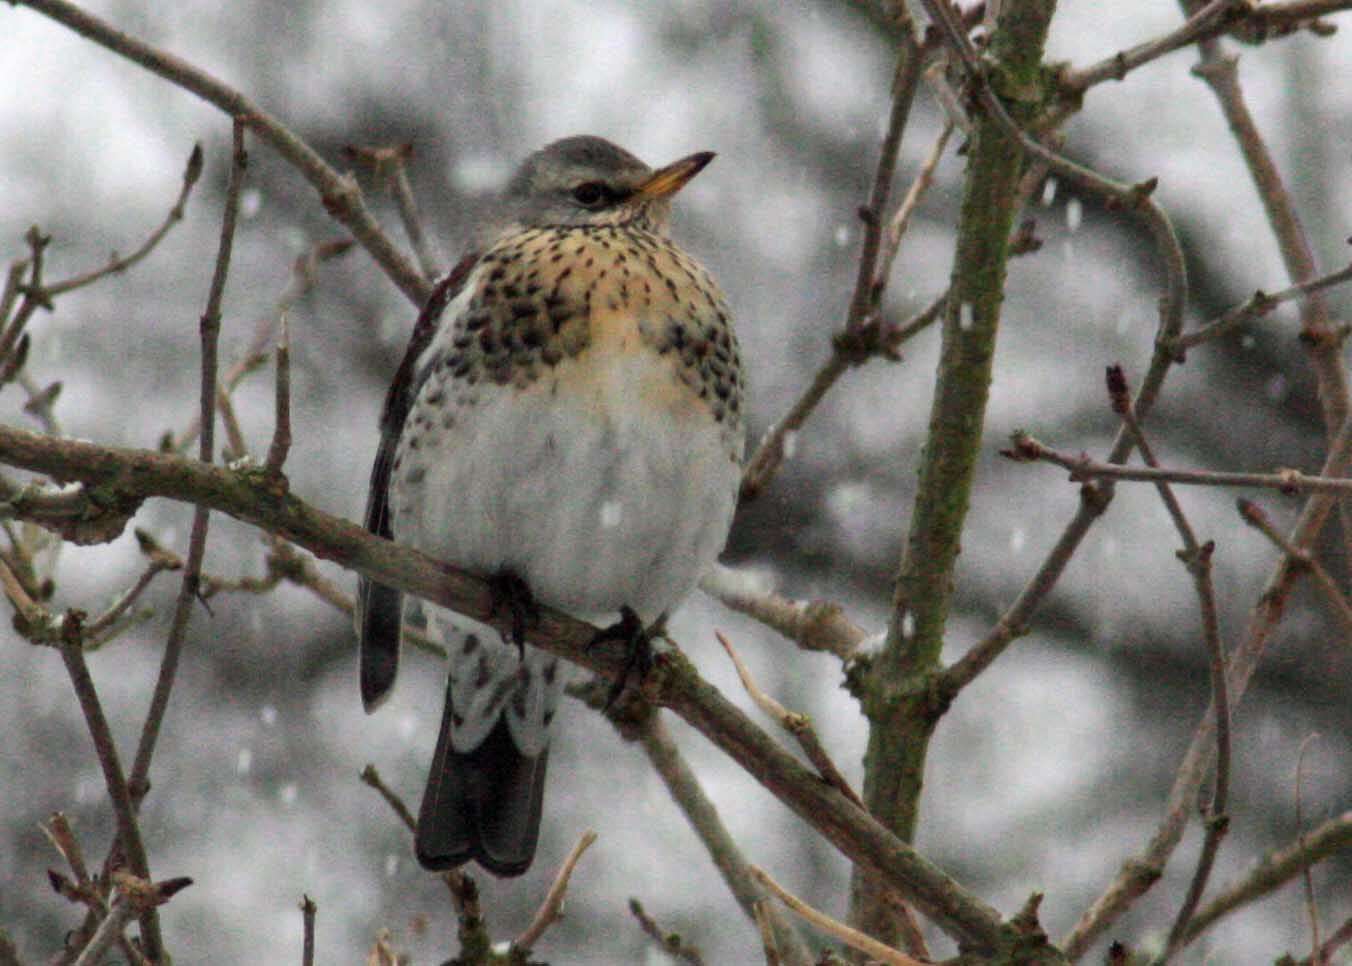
591,194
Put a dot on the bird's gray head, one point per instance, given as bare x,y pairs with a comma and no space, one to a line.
586,180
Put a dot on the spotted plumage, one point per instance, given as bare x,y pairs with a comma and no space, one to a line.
569,412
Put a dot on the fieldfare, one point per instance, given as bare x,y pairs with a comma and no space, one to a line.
568,420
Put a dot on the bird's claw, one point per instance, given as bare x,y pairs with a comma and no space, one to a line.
638,642
512,594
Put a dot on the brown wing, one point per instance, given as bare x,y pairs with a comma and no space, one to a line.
380,608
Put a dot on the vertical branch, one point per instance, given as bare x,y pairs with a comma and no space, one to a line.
210,331
1197,558
902,713
281,433
1318,335
128,833
867,288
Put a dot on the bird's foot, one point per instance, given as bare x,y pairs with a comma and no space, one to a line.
638,642
513,595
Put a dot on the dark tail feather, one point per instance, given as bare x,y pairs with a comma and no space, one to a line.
379,616
482,805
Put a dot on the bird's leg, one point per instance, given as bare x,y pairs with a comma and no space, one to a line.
638,643
512,594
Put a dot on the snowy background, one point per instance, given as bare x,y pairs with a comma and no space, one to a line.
1046,775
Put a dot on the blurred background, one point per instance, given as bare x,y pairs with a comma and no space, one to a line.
1045,776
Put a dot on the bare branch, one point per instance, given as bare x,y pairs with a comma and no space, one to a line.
872,338
552,908
308,910
901,219
340,194
1027,449
1256,306
851,937
1197,558
187,598
1275,870
191,174
1140,872
391,165
867,292
1206,22
129,833
815,625
702,815
796,724
1254,516
669,942
371,777
281,434
303,279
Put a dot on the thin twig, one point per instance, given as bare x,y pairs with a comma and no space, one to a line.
851,937
303,279
867,292
62,837
341,195
901,219
873,338
128,832
1307,877
281,434
551,910
371,777
796,724
104,627
235,446
391,165
209,330
1206,22
109,931
669,942
1140,872
1275,870
814,625
699,810
308,911
1256,306
1254,516
34,291
1197,558
767,933
1026,449
191,173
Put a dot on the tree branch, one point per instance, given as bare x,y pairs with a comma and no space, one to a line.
340,194
127,476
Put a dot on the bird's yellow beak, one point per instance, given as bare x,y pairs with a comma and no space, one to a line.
665,182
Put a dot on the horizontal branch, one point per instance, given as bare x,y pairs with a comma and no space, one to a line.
1027,449
123,478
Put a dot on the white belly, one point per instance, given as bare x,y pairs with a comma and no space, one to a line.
587,488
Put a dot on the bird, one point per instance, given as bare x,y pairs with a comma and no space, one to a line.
566,421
